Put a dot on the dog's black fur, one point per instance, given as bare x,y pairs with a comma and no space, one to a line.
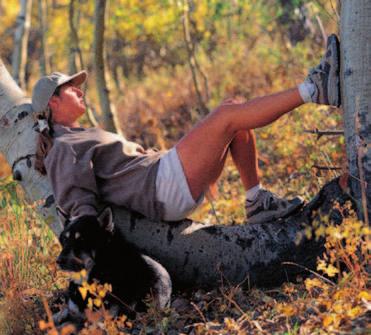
89,243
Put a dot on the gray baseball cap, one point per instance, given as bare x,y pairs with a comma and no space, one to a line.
45,87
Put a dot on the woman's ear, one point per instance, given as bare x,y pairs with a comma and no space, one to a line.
53,102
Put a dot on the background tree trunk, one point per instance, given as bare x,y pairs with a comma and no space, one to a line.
42,11
76,54
73,39
110,119
193,64
356,93
19,58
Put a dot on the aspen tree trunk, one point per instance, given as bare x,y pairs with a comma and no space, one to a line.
110,119
193,64
356,93
76,54
19,58
73,39
44,68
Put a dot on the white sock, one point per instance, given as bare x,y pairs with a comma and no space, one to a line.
306,91
253,192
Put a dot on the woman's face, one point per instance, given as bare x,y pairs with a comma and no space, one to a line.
68,106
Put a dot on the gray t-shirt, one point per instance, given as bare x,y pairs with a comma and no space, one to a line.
89,165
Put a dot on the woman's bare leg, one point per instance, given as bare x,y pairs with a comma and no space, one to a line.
245,157
202,151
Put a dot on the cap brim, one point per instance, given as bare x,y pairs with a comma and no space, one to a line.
78,78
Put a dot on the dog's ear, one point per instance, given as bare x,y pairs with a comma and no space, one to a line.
105,218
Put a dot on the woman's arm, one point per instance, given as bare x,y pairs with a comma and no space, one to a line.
73,180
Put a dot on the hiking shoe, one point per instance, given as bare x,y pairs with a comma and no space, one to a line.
325,76
267,206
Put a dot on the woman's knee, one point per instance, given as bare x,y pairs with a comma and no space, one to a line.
222,116
245,135
226,118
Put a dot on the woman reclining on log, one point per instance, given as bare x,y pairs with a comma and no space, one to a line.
90,165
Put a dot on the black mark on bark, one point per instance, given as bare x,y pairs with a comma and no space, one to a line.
170,235
49,201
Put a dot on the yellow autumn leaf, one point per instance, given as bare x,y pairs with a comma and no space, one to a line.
320,231
310,283
83,273
308,233
102,292
108,287
338,307
327,320
289,310
331,271
364,295
83,292
93,287
97,302
75,277
90,303
354,312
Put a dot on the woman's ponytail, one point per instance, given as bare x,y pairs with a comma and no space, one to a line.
44,144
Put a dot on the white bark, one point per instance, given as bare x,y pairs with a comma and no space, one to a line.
19,58
356,92
18,143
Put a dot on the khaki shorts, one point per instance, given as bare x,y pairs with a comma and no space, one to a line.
172,188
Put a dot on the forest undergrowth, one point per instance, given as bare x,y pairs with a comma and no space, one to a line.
334,299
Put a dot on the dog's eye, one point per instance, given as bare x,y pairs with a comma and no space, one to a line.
77,235
67,234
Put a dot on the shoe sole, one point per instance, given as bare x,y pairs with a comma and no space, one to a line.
333,84
267,217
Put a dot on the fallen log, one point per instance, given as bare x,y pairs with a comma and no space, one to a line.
204,255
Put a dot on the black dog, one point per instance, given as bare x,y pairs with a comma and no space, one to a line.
90,243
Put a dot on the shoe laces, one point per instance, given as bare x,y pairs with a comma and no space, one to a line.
268,197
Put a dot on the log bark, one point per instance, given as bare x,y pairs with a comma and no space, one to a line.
356,93
253,254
